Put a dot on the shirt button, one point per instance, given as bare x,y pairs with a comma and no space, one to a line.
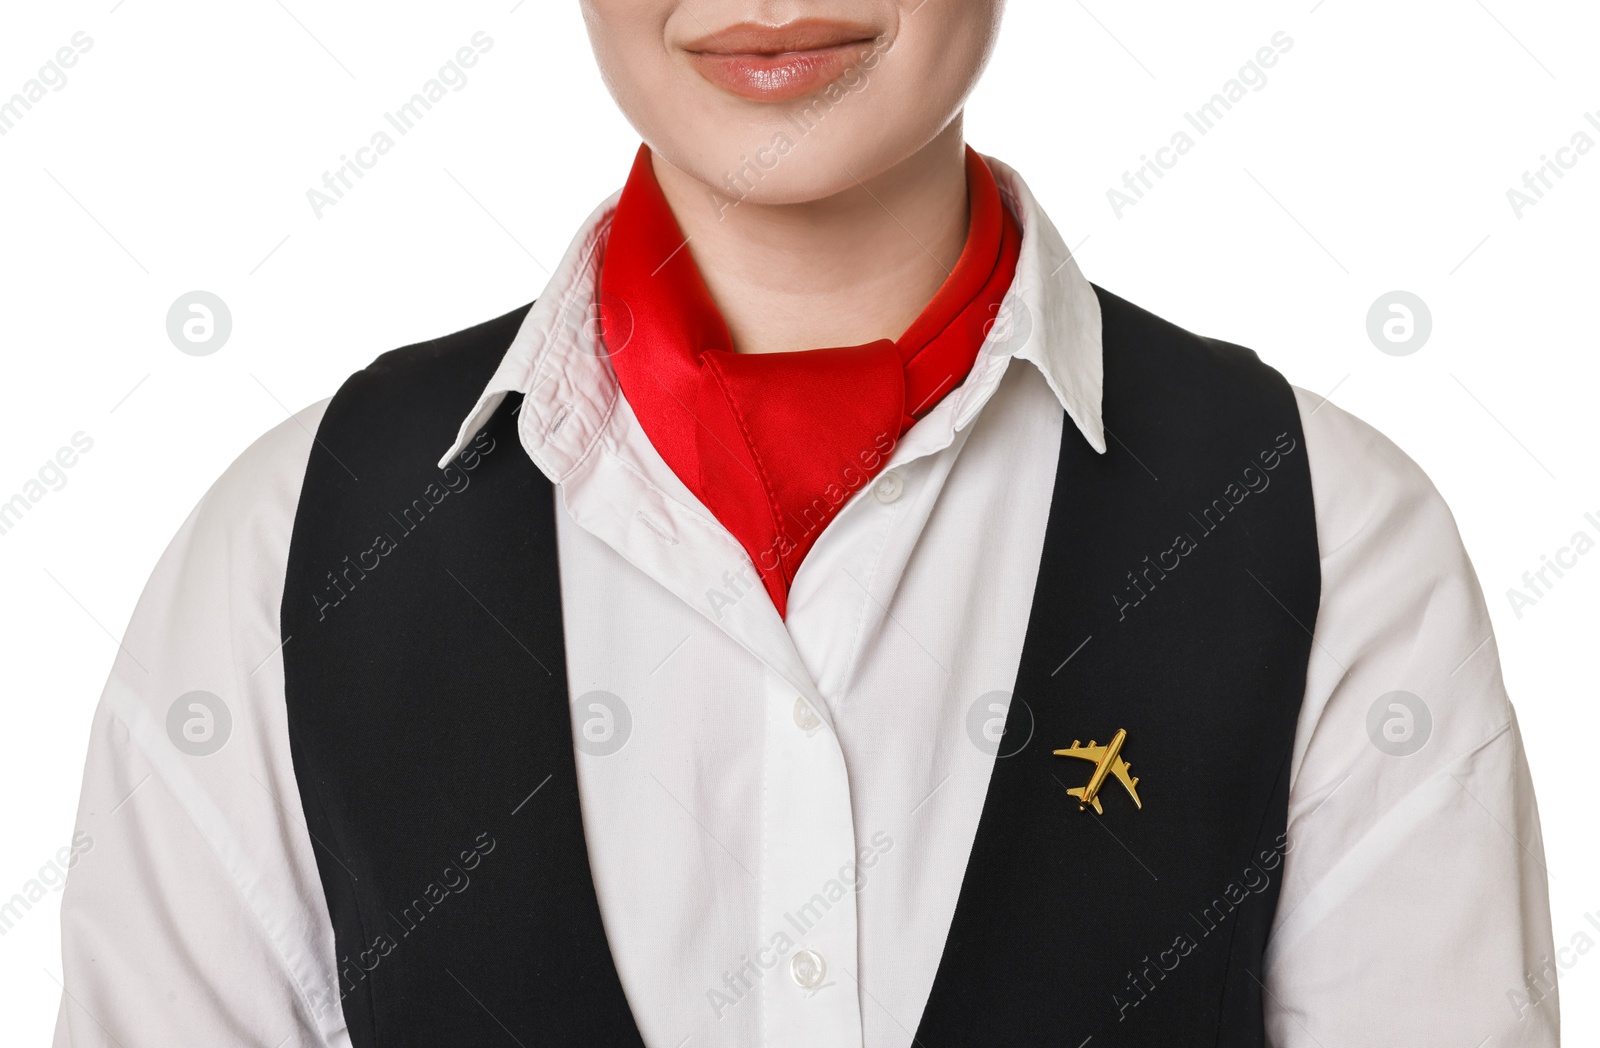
805,715
888,487
808,969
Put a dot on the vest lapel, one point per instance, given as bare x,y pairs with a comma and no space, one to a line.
426,690
1174,602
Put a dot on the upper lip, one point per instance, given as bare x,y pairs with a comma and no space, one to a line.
753,38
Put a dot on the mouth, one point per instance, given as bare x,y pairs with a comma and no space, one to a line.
766,63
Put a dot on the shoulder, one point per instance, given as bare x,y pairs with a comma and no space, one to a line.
410,390
1196,409
230,550
441,373
1193,397
264,480
247,516
1371,494
1157,352
214,588
384,430
1402,610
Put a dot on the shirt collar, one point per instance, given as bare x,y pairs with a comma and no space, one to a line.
559,364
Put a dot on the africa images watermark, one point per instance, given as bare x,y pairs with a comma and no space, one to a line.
51,75
1539,984
1146,978
737,983
1543,178
453,880
52,476
452,479
741,182
452,76
52,876
811,519
1252,77
1252,480
1537,582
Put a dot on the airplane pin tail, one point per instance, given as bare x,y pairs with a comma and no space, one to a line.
1078,792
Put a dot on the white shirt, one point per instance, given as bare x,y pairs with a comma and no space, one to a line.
779,822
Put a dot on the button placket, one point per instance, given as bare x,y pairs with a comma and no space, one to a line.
805,715
808,969
806,905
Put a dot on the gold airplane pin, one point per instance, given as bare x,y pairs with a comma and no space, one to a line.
1107,759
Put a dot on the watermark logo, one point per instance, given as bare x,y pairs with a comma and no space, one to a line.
1010,326
199,723
199,323
602,325
986,724
1399,323
1399,723
606,724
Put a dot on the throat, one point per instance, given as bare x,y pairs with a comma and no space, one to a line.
850,269
775,365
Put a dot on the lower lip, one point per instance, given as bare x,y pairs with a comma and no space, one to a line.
776,78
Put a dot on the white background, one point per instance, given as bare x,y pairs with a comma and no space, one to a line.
178,154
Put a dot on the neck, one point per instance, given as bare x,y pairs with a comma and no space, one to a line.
845,270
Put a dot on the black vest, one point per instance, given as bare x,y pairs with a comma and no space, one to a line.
429,722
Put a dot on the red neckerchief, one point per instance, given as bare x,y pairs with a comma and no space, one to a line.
773,444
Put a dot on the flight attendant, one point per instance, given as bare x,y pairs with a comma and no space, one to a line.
822,617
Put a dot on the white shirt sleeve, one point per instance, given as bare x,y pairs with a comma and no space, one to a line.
194,914
1414,906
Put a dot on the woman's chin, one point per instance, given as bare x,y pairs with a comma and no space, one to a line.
773,164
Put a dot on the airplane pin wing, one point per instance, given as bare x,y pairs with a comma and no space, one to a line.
1107,759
